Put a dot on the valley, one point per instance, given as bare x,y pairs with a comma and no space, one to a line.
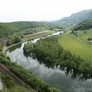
47,56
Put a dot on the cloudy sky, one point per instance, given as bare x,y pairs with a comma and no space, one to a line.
40,10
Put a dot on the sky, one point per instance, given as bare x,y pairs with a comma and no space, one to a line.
40,10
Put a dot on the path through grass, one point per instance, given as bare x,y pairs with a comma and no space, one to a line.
84,35
75,46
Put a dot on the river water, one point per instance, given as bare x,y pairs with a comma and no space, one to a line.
53,76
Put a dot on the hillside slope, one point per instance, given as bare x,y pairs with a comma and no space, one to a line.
76,18
86,24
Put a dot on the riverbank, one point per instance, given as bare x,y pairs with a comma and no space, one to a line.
29,37
23,77
56,76
69,42
36,83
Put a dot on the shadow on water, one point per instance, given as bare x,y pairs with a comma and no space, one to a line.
65,78
67,70
75,73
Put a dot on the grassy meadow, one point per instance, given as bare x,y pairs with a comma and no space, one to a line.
84,35
36,35
75,46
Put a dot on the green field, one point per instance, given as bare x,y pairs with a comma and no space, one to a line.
84,35
37,35
75,46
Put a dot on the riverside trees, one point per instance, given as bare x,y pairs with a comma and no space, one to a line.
50,52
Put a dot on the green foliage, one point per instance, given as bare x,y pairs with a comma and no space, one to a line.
86,24
85,36
8,82
75,18
27,77
27,48
47,50
1,47
75,46
18,89
13,39
50,52
15,31
25,28
37,35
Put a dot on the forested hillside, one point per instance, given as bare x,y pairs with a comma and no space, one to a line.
7,29
15,31
86,24
75,18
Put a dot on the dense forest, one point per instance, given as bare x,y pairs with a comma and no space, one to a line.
15,31
7,29
86,24
50,52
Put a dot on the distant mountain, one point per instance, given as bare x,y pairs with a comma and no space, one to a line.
75,18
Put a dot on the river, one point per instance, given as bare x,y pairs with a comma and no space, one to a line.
53,76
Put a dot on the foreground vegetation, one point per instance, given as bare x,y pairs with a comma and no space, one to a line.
26,76
7,81
10,86
50,52
17,89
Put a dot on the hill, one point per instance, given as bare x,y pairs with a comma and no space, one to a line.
7,29
86,24
13,32
75,18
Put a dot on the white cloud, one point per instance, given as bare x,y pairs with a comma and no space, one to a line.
14,10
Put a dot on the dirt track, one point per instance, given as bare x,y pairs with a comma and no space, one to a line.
16,79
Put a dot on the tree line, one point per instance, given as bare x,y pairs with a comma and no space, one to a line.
51,53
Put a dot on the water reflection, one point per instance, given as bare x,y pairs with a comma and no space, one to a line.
55,76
